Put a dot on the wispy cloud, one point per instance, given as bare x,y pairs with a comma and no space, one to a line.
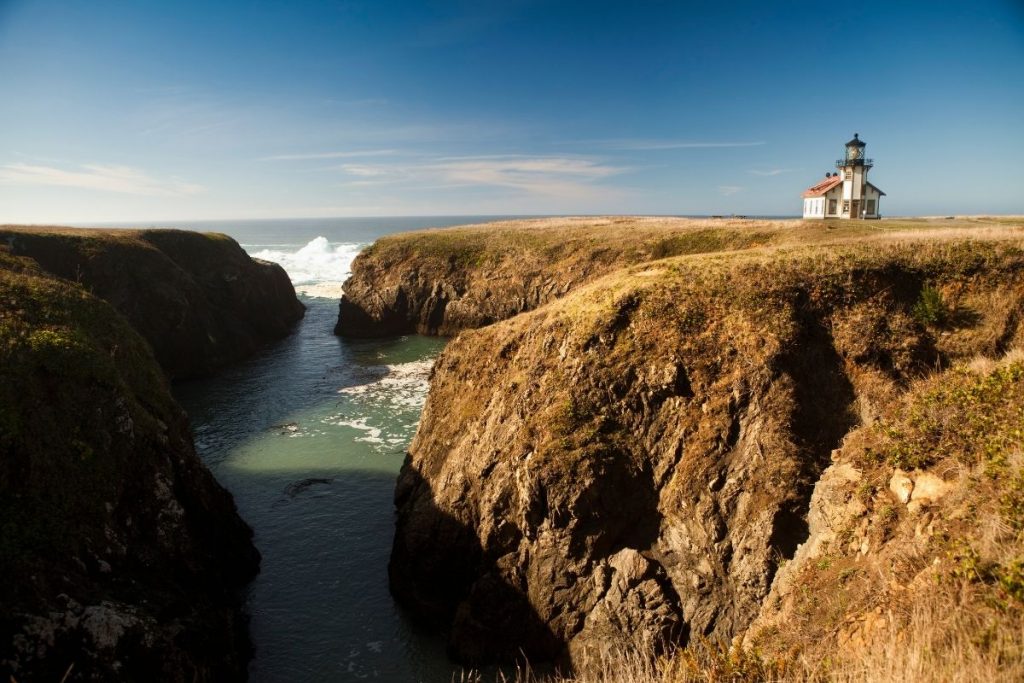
352,154
180,114
106,178
771,172
654,145
552,176
365,171
728,190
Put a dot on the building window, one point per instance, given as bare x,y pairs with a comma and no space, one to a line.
870,207
847,175
846,206
832,206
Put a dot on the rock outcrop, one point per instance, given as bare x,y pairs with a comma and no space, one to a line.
913,568
441,282
632,463
198,299
122,558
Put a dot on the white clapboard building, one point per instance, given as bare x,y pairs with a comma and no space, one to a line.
846,193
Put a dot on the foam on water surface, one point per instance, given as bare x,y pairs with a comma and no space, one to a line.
309,437
317,269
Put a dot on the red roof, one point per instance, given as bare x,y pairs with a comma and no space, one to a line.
824,186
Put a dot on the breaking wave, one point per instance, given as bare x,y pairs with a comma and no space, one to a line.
318,268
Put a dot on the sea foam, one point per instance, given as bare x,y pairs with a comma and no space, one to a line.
394,390
318,268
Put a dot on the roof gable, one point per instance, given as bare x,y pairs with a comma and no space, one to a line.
824,186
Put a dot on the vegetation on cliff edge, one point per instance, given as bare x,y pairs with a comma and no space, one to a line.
114,539
885,346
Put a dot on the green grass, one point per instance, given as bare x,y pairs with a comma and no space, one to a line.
71,368
972,419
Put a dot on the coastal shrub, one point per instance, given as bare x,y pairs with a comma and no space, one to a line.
971,418
1011,504
931,308
1011,580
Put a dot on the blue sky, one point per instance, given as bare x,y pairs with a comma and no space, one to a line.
145,110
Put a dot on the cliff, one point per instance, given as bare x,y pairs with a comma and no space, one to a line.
630,464
444,281
198,299
121,556
913,568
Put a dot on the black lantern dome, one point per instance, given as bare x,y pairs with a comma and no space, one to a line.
854,154
856,141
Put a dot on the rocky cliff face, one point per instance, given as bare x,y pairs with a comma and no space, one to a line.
441,282
632,463
913,568
121,556
198,299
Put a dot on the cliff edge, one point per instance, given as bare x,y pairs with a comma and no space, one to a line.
198,299
629,466
443,281
122,557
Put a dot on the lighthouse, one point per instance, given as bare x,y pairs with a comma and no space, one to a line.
846,193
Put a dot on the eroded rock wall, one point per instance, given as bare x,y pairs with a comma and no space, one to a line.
121,557
632,462
198,299
443,281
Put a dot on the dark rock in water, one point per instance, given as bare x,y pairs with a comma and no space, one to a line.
297,487
288,428
120,555
197,298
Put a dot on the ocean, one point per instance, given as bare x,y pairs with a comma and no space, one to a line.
309,436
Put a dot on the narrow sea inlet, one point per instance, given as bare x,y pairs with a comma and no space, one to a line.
309,436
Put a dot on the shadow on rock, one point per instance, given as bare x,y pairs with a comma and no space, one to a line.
461,589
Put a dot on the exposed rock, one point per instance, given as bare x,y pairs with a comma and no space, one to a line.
901,486
296,487
929,584
440,282
198,299
120,554
634,607
928,488
917,489
636,459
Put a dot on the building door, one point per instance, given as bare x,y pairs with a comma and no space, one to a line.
855,208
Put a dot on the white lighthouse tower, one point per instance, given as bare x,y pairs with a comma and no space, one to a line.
846,194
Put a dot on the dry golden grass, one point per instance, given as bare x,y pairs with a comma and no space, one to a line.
940,594
616,231
701,662
558,255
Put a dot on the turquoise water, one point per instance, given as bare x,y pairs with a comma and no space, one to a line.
309,436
